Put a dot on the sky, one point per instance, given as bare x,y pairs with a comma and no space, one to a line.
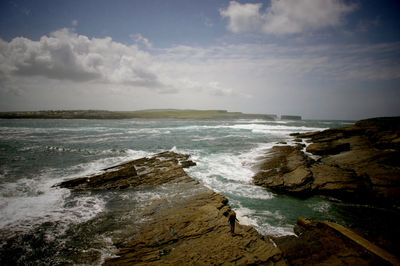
321,59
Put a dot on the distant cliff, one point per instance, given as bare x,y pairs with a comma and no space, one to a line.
290,117
144,114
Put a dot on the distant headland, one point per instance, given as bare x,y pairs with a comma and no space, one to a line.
143,114
290,117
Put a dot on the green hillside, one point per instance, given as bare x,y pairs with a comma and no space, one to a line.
144,114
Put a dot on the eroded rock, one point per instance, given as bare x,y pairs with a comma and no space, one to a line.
285,169
360,162
161,168
196,232
187,226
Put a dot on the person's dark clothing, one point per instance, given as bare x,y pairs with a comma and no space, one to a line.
232,219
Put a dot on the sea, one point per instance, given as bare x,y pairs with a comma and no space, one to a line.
41,224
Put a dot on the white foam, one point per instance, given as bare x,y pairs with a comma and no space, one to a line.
246,216
254,155
322,207
254,121
31,201
230,174
259,220
224,165
205,138
268,229
258,128
41,202
147,131
97,166
248,191
273,129
279,122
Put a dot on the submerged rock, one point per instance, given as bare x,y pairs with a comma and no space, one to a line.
360,162
187,227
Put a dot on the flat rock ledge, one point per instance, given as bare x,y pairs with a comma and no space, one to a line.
189,228
328,243
144,172
355,163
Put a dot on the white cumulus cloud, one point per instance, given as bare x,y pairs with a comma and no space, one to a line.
243,17
139,39
65,55
286,16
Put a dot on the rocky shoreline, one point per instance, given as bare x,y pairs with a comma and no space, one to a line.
191,225
359,163
356,164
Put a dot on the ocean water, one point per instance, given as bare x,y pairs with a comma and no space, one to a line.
42,224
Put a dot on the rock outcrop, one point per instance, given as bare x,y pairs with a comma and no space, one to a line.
327,243
187,227
285,169
162,168
360,162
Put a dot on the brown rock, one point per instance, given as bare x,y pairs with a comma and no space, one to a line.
327,243
161,168
188,226
360,162
298,179
325,148
196,231
187,164
286,168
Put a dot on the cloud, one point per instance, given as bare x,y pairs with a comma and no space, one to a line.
140,40
243,17
66,69
357,62
65,55
286,16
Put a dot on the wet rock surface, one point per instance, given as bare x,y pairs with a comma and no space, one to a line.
187,226
161,168
355,163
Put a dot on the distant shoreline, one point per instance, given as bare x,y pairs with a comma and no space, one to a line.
143,114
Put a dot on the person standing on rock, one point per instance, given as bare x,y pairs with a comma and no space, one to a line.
232,220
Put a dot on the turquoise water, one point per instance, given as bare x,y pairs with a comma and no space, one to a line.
47,225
